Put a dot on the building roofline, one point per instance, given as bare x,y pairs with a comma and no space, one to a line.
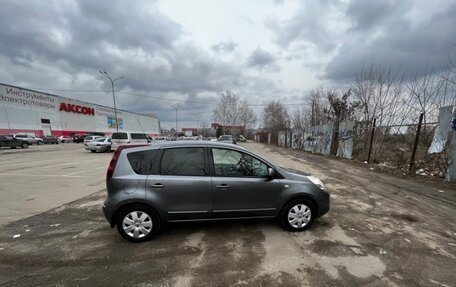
35,91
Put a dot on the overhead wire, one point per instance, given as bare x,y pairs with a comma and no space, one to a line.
155,97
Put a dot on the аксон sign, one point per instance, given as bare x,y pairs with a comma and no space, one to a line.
77,109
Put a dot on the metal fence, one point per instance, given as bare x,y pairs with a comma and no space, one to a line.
401,146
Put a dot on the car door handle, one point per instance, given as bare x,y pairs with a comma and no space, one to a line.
157,185
223,186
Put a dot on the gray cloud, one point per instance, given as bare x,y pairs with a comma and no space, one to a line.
365,15
401,43
263,59
62,45
225,47
308,24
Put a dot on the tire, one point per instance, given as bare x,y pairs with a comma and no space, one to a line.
39,143
132,231
24,145
108,149
298,215
93,151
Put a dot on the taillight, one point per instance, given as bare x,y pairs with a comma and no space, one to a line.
115,157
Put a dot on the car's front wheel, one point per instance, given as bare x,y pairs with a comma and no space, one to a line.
24,145
298,215
137,223
39,142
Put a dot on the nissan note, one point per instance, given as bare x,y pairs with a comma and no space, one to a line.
152,185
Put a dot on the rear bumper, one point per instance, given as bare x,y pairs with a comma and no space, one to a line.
98,148
108,212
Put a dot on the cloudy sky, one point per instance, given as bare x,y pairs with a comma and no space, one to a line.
186,52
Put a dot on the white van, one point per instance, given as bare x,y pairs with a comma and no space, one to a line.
122,138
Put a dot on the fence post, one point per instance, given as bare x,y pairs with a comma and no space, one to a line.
415,144
371,141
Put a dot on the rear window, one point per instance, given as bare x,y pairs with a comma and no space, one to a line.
138,136
143,162
119,136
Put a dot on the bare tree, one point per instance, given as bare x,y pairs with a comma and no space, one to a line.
298,119
275,118
247,116
341,109
316,105
232,111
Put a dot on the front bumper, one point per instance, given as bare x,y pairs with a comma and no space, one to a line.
323,203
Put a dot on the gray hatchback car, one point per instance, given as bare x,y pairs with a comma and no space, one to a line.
149,186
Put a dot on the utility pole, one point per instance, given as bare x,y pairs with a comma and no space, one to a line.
113,95
197,122
176,107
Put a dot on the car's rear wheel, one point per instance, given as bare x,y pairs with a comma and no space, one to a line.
298,215
92,150
137,223
24,145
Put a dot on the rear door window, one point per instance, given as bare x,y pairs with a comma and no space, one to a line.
183,161
119,136
138,137
143,162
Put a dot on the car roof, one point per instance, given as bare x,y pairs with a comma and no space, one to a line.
188,143
192,143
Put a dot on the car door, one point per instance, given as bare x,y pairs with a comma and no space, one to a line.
182,183
240,185
10,141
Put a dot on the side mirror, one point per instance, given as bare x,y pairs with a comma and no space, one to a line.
271,172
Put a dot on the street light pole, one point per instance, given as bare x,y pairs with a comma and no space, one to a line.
197,123
176,107
113,95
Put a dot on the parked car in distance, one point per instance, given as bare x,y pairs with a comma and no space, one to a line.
152,185
30,139
88,139
240,138
79,138
50,140
99,145
65,139
12,142
227,139
159,139
128,138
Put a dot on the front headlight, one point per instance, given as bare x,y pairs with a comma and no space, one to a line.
316,181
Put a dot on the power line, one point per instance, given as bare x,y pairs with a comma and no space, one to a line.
160,98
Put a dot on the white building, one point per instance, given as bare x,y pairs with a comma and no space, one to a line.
32,112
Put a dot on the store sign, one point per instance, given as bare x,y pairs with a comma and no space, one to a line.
70,108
